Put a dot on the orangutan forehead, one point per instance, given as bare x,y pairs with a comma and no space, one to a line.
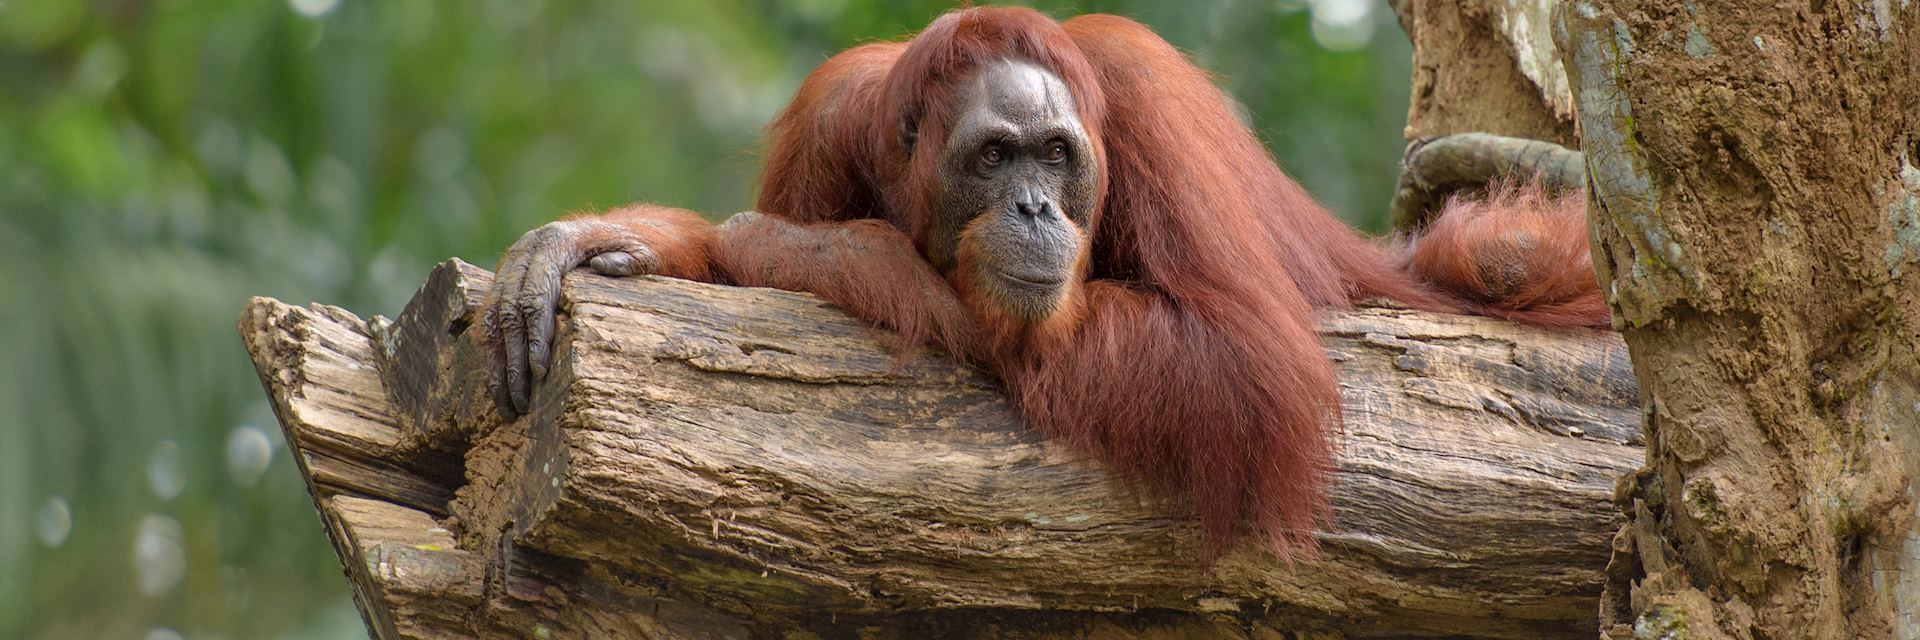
1022,91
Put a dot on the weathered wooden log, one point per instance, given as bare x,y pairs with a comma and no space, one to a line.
718,462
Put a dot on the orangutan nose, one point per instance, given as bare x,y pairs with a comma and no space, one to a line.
1031,203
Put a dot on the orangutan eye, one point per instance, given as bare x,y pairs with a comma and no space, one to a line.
1056,152
990,155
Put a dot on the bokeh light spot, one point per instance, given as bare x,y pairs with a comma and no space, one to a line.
54,521
164,474
248,454
1343,25
314,8
159,557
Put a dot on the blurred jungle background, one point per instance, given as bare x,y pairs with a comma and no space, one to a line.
162,160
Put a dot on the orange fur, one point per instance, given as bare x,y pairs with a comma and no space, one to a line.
678,238
1518,253
818,144
864,266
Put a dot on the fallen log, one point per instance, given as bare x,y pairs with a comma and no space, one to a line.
719,462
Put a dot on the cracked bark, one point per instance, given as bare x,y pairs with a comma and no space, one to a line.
716,462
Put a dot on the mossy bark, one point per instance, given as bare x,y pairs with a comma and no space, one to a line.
1755,211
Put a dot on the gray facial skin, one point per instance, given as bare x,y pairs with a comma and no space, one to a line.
1019,168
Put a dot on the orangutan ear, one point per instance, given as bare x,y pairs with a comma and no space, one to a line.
909,131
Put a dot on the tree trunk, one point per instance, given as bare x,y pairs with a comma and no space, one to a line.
717,462
1486,66
1756,216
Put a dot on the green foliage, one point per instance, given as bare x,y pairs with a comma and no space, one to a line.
162,161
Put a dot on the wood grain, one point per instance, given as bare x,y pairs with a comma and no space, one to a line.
710,461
